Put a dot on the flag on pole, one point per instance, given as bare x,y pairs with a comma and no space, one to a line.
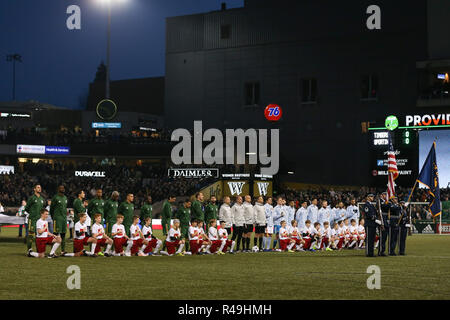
392,169
429,177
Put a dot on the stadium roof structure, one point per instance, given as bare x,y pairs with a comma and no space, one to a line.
30,105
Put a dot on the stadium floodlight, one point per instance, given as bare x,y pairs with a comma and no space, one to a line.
108,42
290,172
13,58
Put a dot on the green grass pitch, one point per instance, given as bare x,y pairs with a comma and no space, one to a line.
424,273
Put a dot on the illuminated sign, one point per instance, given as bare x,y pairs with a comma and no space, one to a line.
194,173
106,125
15,115
90,174
36,149
380,138
6,170
428,120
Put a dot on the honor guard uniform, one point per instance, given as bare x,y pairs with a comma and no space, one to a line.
393,225
385,208
370,215
404,228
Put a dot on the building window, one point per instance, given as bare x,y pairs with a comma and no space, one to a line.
225,31
308,90
369,87
252,93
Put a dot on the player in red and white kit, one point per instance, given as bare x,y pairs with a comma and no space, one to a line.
138,240
223,237
353,230
119,235
44,238
213,236
341,234
151,244
174,243
361,234
347,235
326,237
284,238
307,234
81,238
334,239
103,240
202,236
195,243
317,236
294,234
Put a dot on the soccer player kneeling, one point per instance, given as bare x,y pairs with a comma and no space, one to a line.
103,240
223,236
81,238
195,243
214,238
151,244
285,241
294,233
353,229
119,235
44,238
307,233
327,237
174,241
138,239
361,234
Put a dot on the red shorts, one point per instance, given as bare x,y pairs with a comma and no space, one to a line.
42,242
215,244
297,241
307,243
119,243
78,244
377,238
340,243
172,246
284,243
325,241
151,245
362,236
137,244
194,246
100,243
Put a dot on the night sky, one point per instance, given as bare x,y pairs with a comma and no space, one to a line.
58,63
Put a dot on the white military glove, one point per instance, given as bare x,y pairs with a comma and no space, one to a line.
408,225
378,222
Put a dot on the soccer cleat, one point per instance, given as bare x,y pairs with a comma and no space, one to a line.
149,254
107,255
289,250
127,254
101,254
329,249
52,256
181,254
29,252
312,250
84,253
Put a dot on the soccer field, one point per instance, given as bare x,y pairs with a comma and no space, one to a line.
422,274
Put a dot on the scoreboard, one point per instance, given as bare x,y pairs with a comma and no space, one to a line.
406,147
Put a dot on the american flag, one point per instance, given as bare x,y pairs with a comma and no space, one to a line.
392,170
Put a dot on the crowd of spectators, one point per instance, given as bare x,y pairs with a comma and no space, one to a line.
137,179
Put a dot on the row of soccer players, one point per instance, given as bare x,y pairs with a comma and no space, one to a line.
266,219
143,243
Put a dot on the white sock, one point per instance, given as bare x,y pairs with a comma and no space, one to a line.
158,245
129,245
361,243
376,244
290,246
93,248
180,248
55,246
207,248
34,254
232,246
108,248
69,255
164,253
203,246
143,248
116,254
224,242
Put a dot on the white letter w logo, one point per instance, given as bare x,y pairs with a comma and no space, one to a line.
262,187
235,187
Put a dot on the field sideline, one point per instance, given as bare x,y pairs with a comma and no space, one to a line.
423,273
